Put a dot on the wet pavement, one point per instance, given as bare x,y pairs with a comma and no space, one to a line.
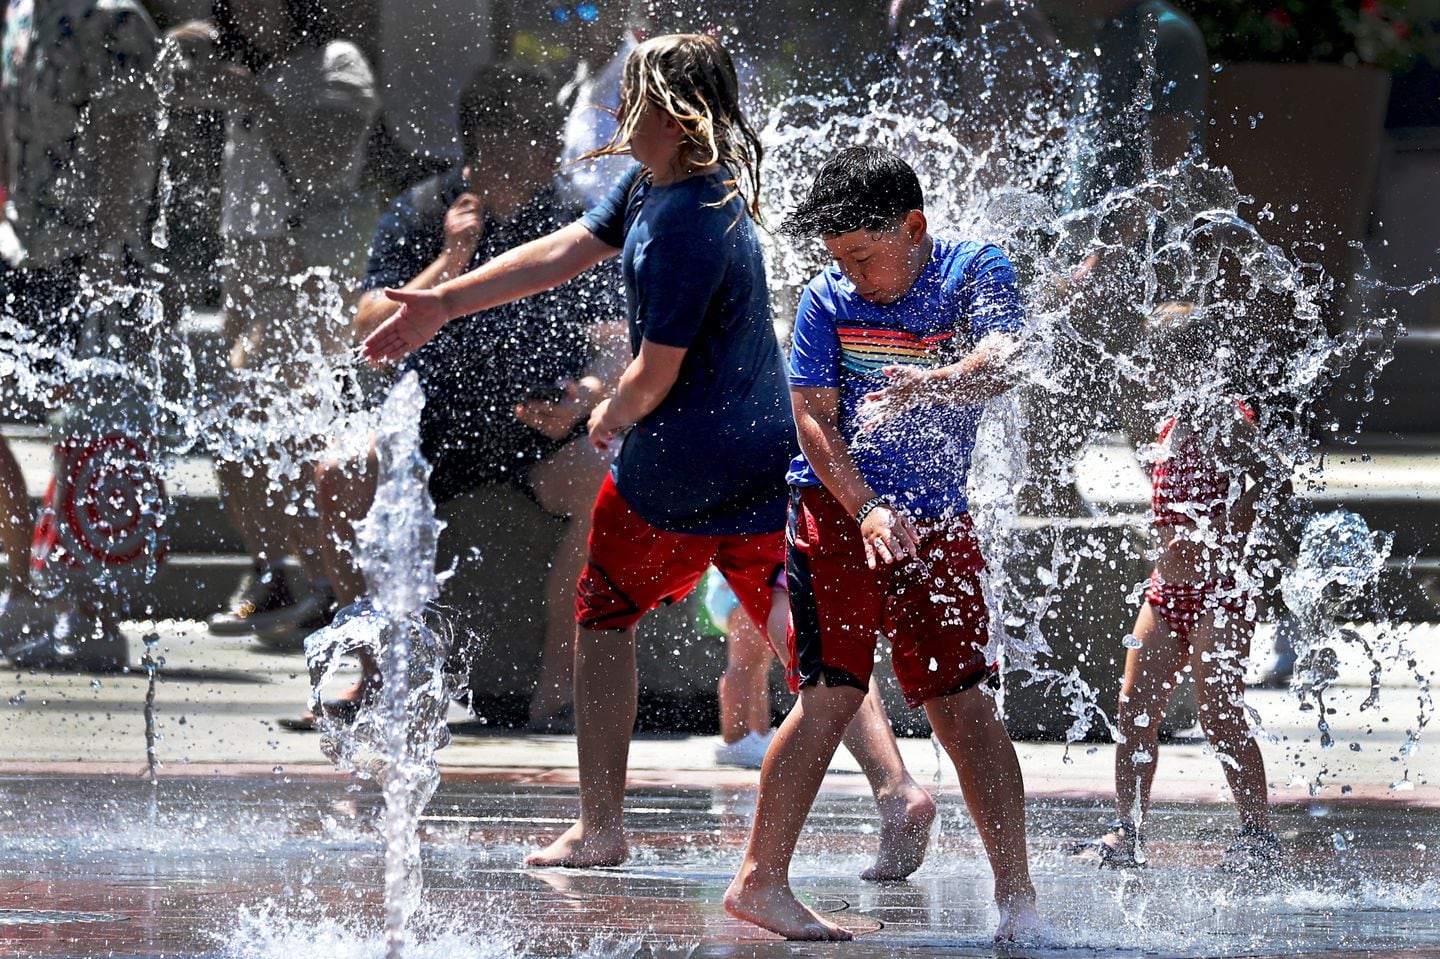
251,847
218,702
287,866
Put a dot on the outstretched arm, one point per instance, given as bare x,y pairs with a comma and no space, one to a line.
464,224
983,373
524,271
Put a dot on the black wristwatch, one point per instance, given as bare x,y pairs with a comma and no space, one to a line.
870,506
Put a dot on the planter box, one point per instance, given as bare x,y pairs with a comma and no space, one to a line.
1306,136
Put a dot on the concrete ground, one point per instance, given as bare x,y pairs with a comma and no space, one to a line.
217,701
252,847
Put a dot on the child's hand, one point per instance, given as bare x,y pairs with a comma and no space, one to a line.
907,387
419,318
603,429
889,536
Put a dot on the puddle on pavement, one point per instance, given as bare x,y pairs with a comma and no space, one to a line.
257,869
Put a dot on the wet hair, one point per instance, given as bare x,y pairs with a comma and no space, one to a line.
692,78
311,24
510,99
859,188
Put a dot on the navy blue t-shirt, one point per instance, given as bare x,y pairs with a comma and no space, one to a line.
922,456
711,458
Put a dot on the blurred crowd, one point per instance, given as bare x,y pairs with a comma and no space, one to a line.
278,161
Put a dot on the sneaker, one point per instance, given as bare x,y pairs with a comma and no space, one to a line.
262,601
80,640
747,752
1123,847
315,611
1254,850
24,618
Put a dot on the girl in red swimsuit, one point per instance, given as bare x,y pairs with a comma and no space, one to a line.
1209,479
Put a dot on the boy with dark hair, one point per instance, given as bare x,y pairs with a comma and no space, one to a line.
879,538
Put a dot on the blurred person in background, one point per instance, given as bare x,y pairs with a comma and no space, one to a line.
508,393
77,109
1144,113
299,103
991,65
598,35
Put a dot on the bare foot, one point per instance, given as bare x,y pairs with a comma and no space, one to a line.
1020,923
771,905
576,849
905,820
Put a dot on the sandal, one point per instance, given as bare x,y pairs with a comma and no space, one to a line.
1123,847
340,711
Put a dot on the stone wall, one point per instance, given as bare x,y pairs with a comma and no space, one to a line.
500,543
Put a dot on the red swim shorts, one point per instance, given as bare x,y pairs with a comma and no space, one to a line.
634,567
931,610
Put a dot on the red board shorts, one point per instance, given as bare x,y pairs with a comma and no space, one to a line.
932,611
634,567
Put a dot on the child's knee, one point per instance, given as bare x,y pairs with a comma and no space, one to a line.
823,702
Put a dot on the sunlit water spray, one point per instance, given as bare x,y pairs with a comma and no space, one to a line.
1194,235
396,733
1334,585
1180,235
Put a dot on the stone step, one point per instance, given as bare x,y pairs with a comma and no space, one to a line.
1404,404
1395,488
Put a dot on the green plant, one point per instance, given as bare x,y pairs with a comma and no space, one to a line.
1391,34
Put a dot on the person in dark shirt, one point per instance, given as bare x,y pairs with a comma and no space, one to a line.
507,393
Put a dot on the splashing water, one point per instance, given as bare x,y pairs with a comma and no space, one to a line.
1006,180
1336,579
396,733
1196,246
